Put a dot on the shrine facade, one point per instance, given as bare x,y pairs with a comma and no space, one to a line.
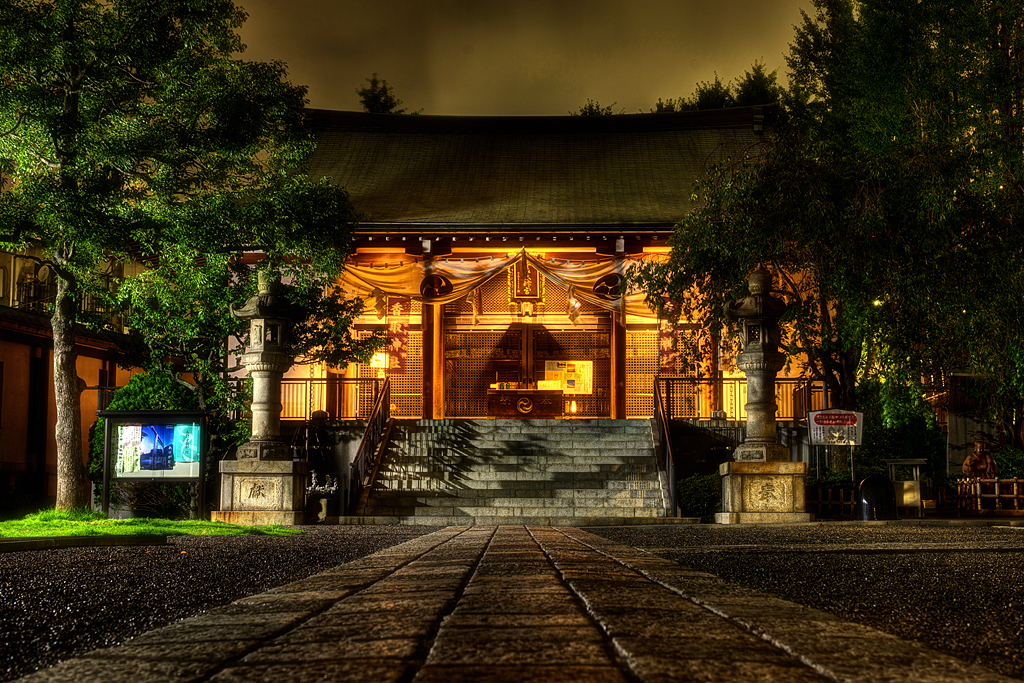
494,250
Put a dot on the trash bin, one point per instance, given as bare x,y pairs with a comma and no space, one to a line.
876,499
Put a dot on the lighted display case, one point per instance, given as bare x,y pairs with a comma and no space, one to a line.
160,445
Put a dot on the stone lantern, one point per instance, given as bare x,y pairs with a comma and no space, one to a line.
263,485
761,485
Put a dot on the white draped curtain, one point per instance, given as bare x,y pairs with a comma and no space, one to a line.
440,281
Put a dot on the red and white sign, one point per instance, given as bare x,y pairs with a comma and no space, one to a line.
835,427
834,418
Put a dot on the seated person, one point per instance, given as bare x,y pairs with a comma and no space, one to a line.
980,463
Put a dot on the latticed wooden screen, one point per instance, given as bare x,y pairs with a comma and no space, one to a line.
641,368
473,360
406,389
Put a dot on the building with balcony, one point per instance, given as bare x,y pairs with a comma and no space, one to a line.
28,449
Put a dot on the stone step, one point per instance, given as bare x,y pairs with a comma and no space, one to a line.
576,521
519,438
414,468
610,466
617,441
522,434
513,483
584,448
643,508
515,470
517,512
484,457
515,499
525,431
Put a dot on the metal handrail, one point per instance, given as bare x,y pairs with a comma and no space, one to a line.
367,461
666,459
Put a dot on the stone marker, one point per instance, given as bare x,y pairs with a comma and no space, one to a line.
761,485
264,486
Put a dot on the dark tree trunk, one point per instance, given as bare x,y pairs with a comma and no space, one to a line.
67,390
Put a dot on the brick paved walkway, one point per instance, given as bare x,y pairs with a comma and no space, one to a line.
514,603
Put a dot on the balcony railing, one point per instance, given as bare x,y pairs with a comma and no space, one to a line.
38,296
338,397
35,296
685,398
694,398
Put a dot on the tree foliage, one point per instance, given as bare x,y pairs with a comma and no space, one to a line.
379,97
179,313
129,126
886,206
593,108
756,87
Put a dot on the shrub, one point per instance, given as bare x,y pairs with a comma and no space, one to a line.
899,423
700,495
1010,461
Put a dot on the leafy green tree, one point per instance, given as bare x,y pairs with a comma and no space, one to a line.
885,206
707,95
379,97
128,126
712,95
757,86
179,313
670,105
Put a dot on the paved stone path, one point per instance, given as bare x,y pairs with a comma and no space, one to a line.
514,603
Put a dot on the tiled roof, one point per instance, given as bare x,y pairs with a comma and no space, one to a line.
636,169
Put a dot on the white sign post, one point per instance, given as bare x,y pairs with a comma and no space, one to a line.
836,428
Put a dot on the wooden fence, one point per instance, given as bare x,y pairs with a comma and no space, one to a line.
829,503
990,496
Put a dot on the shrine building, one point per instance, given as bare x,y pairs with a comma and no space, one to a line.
494,248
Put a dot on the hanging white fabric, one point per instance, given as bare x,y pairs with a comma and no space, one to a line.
598,283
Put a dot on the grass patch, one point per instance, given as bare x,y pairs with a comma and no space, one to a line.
89,523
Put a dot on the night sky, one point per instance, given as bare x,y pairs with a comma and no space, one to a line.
517,57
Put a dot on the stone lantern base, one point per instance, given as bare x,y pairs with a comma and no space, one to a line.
262,492
762,493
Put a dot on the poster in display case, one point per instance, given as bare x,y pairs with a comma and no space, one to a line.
574,377
156,445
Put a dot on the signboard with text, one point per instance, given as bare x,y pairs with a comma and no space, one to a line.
160,445
835,427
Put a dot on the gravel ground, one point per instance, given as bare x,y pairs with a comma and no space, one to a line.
58,604
959,590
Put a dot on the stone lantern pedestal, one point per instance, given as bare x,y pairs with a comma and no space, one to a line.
263,485
761,485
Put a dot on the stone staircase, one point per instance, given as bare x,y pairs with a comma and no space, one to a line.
557,472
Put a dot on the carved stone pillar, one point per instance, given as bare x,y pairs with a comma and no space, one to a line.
761,485
263,485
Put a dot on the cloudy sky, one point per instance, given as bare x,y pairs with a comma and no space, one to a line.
517,57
